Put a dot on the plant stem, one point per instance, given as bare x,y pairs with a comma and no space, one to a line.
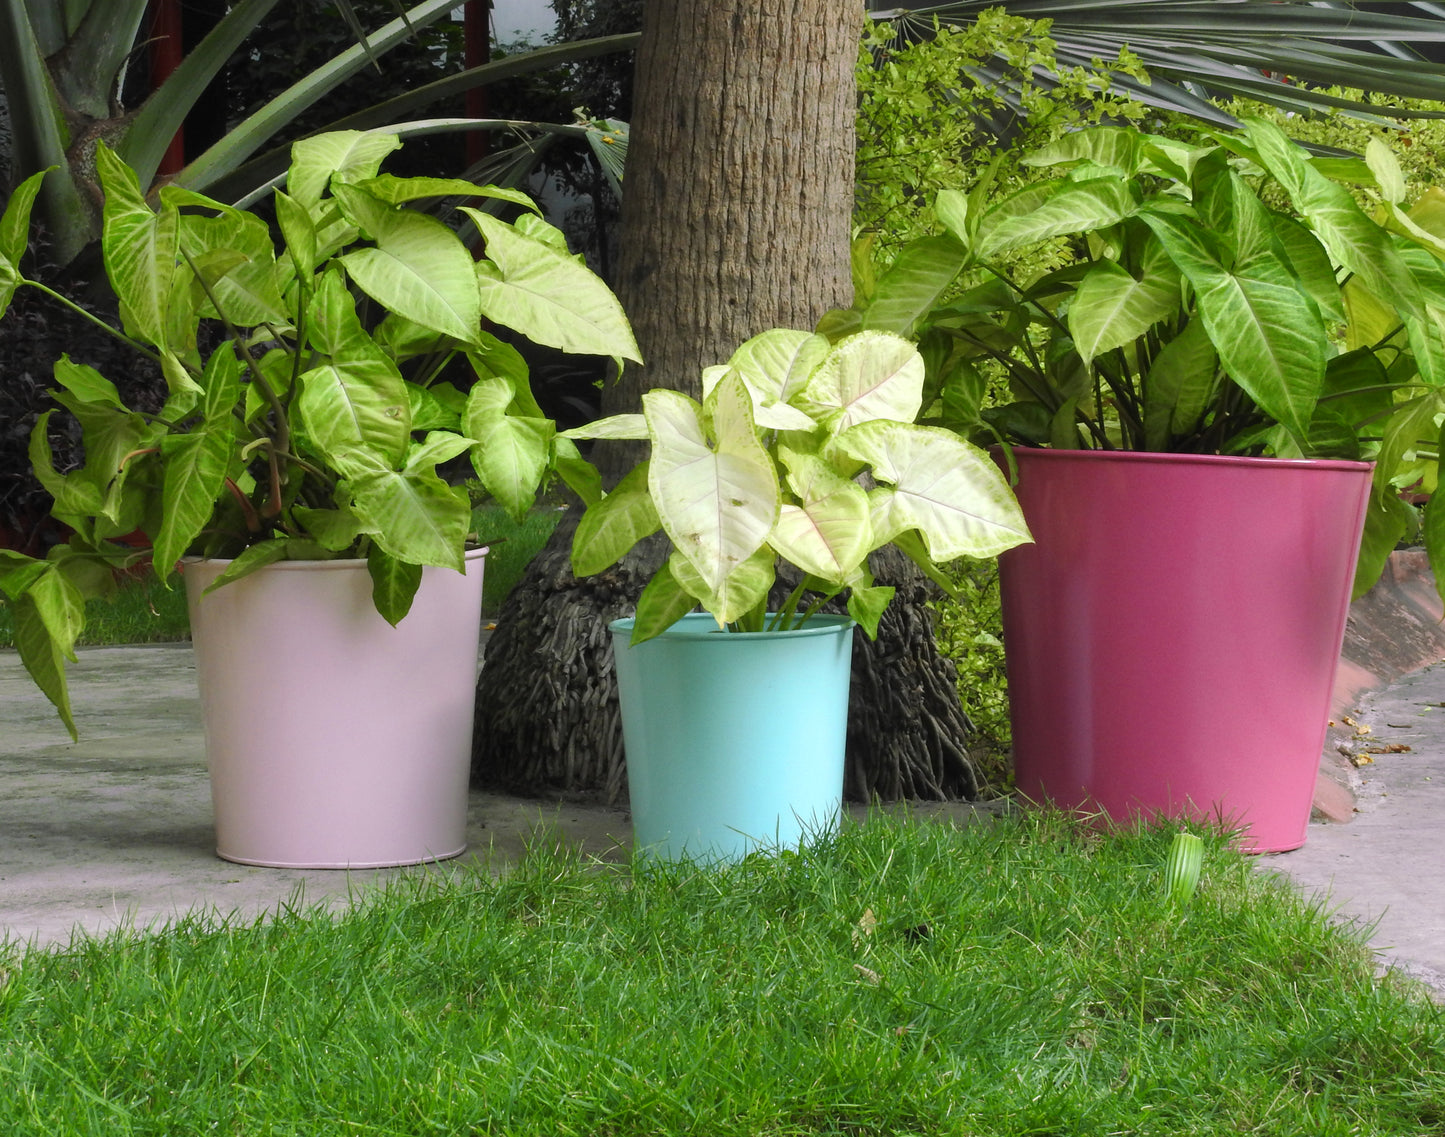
94,319
784,614
282,440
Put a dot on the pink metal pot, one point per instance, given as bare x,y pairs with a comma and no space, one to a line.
335,740
1172,635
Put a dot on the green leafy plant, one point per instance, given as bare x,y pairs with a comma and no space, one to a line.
63,65
932,110
767,468
304,419
1193,317
968,627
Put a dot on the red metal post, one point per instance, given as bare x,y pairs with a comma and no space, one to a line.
167,49
477,20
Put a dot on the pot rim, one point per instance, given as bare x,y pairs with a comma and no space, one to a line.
825,623
1168,457
351,563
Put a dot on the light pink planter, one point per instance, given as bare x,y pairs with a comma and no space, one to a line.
1172,635
335,740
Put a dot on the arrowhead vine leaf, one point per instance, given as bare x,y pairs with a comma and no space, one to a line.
736,494
304,416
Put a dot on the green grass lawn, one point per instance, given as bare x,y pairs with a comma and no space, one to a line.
1018,977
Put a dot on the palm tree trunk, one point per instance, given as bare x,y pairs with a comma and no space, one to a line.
735,219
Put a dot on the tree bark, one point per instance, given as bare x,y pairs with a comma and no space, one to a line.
738,202
736,218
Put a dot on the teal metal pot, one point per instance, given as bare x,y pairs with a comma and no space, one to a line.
735,740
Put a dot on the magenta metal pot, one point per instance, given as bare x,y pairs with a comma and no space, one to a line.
335,740
1172,634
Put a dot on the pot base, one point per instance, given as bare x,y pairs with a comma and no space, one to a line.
340,865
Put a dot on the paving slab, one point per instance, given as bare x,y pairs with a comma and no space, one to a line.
1385,870
115,830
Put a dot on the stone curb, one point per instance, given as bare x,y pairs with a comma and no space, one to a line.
1394,629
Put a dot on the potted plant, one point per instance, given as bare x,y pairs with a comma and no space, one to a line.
801,452
300,457
1212,344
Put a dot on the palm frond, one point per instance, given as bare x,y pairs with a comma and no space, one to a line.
1274,51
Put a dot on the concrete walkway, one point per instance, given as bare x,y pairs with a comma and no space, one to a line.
116,830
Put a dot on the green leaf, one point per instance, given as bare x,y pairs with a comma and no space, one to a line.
298,230
827,537
1112,308
249,560
1432,532
246,288
221,385
551,299
139,247
612,526
946,488
393,584
1310,264
1118,147
871,375
580,476
1412,423
495,358
45,630
1074,207
1269,335
357,397
1369,321
9,282
512,451
419,268
1427,346
1181,871
1354,241
437,447
15,234
399,191
867,605
775,367
626,427
412,514
15,222
718,503
1179,386
335,530
429,412
195,475
809,476
1387,519
911,545
1357,387
1386,168
18,572
531,225
349,155
914,283
181,384
952,210
75,495
662,604
87,384
743,591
